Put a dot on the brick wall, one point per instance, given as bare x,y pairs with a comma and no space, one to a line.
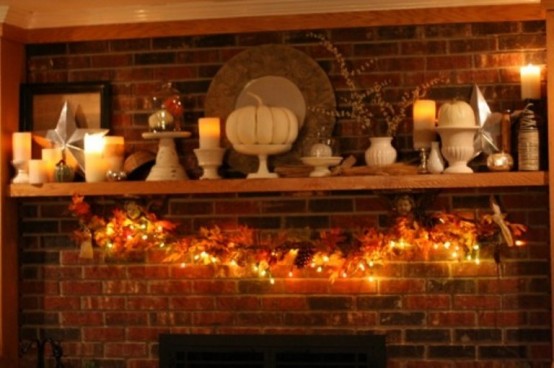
434,313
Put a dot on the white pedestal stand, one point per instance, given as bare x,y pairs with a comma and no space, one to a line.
209,159
167,166
22,175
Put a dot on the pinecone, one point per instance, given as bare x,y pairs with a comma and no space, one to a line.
304,256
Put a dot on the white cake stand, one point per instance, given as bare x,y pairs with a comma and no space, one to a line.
167,166
321,165
262,151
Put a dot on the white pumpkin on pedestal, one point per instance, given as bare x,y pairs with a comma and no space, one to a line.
262,130
457,128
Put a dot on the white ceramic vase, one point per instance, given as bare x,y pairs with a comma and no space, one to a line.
457,147
435,162
380,152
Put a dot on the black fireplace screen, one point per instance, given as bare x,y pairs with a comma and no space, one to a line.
272,351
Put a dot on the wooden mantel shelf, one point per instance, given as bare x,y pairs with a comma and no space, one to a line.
343,183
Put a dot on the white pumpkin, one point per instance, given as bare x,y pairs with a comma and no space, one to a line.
456,113
261,124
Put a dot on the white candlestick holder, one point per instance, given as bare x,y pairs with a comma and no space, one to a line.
22,171
210,159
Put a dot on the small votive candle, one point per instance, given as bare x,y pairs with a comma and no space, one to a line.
21,145
37,172
424,123
209,132
114,148
530,82
51,156
95,165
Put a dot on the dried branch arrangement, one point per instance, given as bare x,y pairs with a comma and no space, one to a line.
365,103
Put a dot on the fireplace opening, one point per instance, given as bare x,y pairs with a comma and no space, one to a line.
272,351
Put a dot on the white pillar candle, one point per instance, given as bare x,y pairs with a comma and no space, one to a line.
95,165
37,172
21,145
530,82
209,132
114,148
424,113
51,156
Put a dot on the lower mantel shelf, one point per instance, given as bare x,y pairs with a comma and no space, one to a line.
339,183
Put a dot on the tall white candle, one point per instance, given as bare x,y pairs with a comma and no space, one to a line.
21,145
530,82
424,123
95,165
114,148
209,132
51,156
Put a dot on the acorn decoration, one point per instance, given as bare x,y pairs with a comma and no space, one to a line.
63,173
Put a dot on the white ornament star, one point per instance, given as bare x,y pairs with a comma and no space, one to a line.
69,137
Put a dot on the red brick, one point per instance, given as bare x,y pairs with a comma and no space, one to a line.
444,319
126,318
144,333
126,350
502,318
87,318
152,303
214,287
81,287
125,287
213,318
103,334
240,303
104,272
104,303
480,302
61,303
189,303
414,286
424,302
288,303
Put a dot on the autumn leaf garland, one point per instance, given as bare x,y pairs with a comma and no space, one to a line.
333,251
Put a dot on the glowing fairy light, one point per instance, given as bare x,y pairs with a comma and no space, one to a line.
203,254
319,269
344,274
519,243
312,265
371,278
263,273
233,263
183,265
159,228
145,237
392,244
477,261
454,254
143,227
196,257
255,268
291,274
272,281
361,267
109,245
371,263
129,237
162,245
214,260
326,259
446,245
435,246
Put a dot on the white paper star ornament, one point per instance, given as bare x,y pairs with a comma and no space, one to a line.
69,137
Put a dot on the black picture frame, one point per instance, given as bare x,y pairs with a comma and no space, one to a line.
41,104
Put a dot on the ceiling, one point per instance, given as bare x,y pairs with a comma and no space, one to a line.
36,14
